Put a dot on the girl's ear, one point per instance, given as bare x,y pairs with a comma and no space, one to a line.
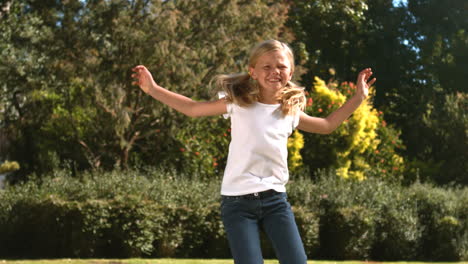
252,73
290,75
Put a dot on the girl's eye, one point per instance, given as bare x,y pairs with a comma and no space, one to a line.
266,67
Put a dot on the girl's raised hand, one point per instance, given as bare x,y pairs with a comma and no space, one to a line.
363,82
143,78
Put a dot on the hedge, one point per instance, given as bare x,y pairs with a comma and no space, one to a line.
158,214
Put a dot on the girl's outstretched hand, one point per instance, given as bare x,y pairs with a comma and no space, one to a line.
143,78
363,83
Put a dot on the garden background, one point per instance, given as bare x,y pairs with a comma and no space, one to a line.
96,168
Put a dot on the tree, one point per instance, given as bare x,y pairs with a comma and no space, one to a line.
78,106
24,102
418,53
437,31
448,124
339,38
327,39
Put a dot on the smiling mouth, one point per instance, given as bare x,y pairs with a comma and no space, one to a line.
274,80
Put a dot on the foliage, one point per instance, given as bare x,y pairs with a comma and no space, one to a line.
104,214
22,71
448,124
295,144
308,223
67,96
66,99
417,50
393,242
362,145
9,166
442,215
437,33
326,35
165,214
440,33
346,232
204,146
397,216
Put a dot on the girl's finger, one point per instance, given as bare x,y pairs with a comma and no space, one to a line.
137,68
372,82
366,70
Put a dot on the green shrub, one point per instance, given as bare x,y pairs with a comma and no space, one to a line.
362,146
462,209
398,232
308,224
104,214
302,191
157,213
124,227
346,232
346,217
52,228
205,144
295,144
445,229
389,209
9,166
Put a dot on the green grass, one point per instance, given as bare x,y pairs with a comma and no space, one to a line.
183,261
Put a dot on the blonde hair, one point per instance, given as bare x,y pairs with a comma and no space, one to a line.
244,91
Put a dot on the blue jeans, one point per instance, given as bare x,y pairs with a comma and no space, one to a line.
243,219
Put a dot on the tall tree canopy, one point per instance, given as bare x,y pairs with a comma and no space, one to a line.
65,70
419,53
66,97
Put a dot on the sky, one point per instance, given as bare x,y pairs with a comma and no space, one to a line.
397,2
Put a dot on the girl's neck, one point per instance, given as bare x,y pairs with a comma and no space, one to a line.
269,98
272,102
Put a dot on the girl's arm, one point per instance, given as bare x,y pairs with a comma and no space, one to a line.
330,123
177,101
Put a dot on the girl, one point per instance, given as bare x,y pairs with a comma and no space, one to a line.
265,107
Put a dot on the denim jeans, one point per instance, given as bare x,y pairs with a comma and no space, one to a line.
243,219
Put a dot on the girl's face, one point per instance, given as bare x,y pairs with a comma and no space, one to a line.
272,70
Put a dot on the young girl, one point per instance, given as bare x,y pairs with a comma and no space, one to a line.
265,107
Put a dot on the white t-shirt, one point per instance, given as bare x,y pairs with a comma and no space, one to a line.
258,154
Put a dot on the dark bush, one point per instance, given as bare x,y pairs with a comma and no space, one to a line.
346,232
441,213
308,223
398,233
157,214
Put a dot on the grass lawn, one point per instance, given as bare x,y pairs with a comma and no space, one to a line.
183,261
